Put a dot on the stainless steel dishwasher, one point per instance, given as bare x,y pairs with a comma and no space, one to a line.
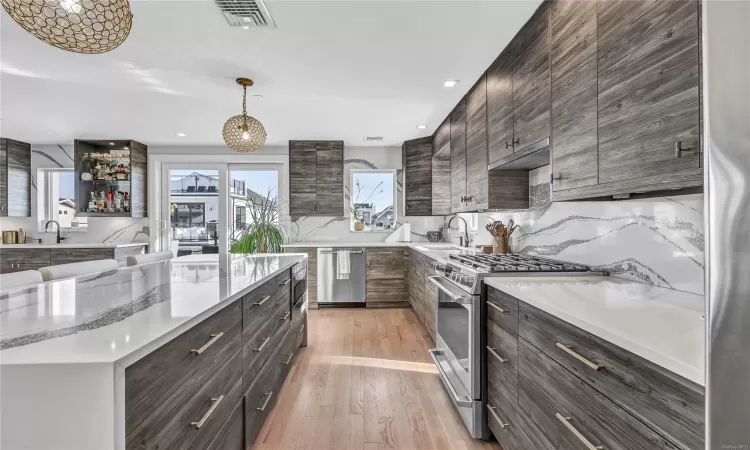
342,277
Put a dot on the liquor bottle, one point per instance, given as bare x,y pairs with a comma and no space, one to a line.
92,202
110,201
126,203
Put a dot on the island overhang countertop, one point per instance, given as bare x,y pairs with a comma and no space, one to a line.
121,316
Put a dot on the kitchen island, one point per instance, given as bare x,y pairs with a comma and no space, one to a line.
153,356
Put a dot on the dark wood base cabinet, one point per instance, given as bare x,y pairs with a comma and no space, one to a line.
213,386
422,293
21,258
540,397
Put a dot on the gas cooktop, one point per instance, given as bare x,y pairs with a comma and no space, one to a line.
467,271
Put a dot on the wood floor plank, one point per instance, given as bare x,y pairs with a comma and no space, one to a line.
365,382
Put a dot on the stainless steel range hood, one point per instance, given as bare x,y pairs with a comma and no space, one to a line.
531,157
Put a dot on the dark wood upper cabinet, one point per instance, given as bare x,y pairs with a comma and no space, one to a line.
441,170
574,94
500,108
132,178
649,102
316,178
458,156
476,145
15,178
417,165
531,83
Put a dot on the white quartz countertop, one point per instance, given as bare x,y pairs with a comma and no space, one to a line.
661,325
75,245
123,315
435,250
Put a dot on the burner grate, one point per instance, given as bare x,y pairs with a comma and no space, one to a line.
516,263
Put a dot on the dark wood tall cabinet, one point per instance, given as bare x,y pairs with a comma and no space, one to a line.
417,167
575,156
458,156
500,107
15,178
476,145
441,170
316,178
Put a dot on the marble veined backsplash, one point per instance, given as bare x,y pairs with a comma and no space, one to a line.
657,241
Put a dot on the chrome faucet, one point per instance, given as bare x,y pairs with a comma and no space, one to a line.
46,228
465,237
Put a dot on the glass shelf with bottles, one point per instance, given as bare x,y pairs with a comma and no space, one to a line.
109,201
106,171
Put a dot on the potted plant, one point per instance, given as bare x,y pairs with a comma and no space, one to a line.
359,223
263,233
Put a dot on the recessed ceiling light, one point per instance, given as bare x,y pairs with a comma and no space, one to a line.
247,19
245,28
450,83
421,127
180,134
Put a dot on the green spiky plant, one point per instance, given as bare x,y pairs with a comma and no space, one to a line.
263,234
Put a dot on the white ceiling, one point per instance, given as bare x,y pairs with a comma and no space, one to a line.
331,70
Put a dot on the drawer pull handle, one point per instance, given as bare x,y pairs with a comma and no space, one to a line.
494,414
265,341
286,363
214,338
301,329
502,311
494,353
286,316
263,300
569,350
214,403
582,438
286,282
262,407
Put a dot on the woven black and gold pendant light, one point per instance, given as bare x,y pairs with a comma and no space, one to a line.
80,26
243,133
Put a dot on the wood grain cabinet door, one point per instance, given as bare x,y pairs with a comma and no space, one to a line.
441,170
417,164
531,88
16,201
476,146
574,94
458,156
75,255
649,79
386,276
303,176
330,178
500,108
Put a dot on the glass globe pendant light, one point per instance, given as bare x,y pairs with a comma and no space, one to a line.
79,26
244,134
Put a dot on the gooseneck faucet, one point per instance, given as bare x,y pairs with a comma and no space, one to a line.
465,238
46,228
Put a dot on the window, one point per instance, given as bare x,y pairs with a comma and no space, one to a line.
56,199
252,188
373,200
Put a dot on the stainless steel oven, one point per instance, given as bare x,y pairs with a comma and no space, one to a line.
459,351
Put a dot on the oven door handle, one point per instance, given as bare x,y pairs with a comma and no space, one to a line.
462,299
460,400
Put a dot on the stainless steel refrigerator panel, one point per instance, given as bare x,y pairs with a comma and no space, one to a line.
726,89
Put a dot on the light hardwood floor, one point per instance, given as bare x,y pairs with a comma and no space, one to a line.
365,382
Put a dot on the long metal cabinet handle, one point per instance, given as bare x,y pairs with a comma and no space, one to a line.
286,282
263,300
265,401
494,414
286,316
502,311
214,338
568,349
356,252
301,329
214,403
289,358
265,341
582,438
494,353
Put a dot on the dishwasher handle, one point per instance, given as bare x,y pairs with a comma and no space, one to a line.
351,252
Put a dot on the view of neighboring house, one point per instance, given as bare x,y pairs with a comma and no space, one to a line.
384,219
66,210
195,206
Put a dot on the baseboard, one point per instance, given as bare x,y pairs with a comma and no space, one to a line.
388,305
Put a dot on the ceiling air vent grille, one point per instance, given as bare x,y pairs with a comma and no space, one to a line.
372,138
246,13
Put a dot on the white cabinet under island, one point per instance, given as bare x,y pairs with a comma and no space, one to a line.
154,356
